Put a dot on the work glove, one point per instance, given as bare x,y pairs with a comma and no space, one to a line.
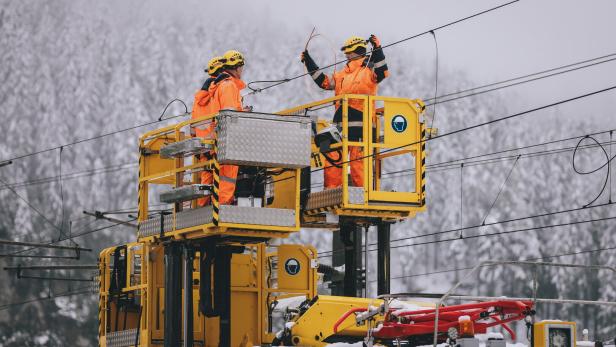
376,43
304,56
308,61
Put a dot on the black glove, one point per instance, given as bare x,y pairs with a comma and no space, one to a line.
376,43
308,61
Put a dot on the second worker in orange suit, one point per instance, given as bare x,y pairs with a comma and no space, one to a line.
203,107
226,96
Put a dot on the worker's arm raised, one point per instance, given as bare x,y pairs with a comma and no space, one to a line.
319,77
378,59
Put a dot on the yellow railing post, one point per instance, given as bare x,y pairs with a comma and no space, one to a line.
345,150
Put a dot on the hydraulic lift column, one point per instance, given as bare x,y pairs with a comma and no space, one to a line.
222,290
173,294
351,236
384,257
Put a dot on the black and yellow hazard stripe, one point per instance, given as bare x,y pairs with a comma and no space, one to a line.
139,216
101,327
323,209
423,165
216,174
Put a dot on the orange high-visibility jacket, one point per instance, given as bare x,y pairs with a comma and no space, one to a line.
355,78
226,93
203,107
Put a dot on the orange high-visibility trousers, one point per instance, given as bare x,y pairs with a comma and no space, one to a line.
226,189
332,175
206,178
228,177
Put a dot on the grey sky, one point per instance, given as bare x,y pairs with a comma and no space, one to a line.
522,38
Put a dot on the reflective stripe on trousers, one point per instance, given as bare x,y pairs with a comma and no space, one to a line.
226,188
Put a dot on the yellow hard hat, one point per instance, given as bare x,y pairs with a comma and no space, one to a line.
214,65
352,43
233,59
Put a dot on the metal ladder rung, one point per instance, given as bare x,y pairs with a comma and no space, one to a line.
183,148
185,193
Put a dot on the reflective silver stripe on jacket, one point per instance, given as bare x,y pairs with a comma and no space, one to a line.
380,64
316,75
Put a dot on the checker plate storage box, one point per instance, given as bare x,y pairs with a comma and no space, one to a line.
267,140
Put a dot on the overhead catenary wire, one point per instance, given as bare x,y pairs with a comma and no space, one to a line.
607,163
527,259
87,232
468,161
521,79
478,125
47,220
455,163
85,173
505,221
436,63
505,232
79,291
500,190
160,119
286,80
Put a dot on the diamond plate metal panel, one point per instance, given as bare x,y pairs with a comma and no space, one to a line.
263,140
228,214
152,226
183,148
191,218
333,197
123,338
257,215
325,198
185,193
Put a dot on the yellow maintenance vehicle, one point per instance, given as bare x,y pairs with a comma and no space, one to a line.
214,275
223,252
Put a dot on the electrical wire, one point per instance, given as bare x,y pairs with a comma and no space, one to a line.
286,80
47,220
430,167
73,175
527,259
593,62
607,163
73,236
505,232
84,290
500,190
101,135
478,125
436,63
506,221
528,155
160,119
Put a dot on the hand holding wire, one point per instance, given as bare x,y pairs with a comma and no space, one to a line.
376,43
304,56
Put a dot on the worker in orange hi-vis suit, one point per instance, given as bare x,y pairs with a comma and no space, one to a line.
226,96
361,75
202,107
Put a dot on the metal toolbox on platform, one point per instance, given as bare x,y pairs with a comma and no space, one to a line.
267,140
